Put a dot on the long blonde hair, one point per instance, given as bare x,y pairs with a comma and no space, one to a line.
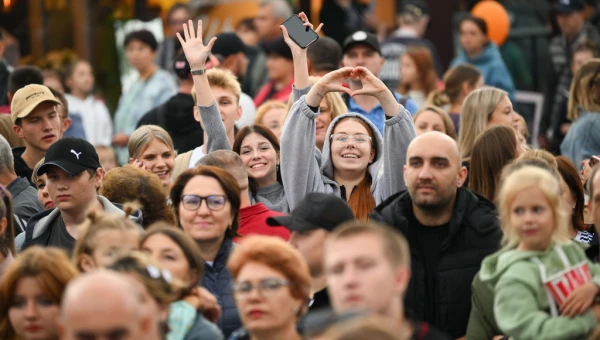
523,179
585,90
337,106
476,112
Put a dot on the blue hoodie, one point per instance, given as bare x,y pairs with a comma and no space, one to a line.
491,66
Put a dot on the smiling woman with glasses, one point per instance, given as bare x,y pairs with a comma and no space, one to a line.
207,203
271,288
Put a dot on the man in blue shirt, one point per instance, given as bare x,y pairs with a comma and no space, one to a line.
362,49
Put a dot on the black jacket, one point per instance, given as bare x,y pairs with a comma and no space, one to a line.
474,233
177,117
21,168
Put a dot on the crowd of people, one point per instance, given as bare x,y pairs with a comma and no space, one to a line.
249,188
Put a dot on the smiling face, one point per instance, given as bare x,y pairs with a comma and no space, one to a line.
504,114
32,313
532,218
41,128
159,159
349,155
72,193
360,277
260,159
271,308
204,224
429,121
43,195
273,119
170,256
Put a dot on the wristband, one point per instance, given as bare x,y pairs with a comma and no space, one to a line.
198,72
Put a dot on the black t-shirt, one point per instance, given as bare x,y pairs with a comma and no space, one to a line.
429,241
319,301
60,237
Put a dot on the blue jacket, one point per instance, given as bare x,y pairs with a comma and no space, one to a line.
217,279
491,66
582,141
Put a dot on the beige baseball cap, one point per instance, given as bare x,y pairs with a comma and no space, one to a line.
28,98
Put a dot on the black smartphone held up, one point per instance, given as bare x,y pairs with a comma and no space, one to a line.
300,34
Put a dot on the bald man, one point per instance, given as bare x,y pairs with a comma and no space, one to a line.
449,230
102,305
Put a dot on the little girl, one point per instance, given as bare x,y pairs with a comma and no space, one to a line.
104,239
544,285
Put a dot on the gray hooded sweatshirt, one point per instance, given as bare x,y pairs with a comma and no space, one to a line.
301,172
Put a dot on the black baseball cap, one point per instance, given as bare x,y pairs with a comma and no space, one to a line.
415,8
361,37
181,66
315,211
228,44
278,47
73,155
569,6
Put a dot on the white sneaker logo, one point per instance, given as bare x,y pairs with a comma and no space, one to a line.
76,153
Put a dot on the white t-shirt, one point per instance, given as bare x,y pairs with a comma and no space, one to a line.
248,111
96,120
197,154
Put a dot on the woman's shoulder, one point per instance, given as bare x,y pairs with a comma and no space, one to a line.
204,330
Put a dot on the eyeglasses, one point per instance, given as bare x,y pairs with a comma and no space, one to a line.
193,202
265,287
344,138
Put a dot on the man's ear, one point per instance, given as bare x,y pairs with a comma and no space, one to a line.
462,176
18,130
66,124
87,263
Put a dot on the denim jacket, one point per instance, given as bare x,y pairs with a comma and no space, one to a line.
583,139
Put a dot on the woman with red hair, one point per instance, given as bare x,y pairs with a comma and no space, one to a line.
271,288
417,74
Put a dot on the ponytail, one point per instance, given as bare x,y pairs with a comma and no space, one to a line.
361,200
439,98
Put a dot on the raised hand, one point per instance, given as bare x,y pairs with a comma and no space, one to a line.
296,50
371,85
195,51
331,82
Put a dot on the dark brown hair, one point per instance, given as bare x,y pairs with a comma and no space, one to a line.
266,133
493,149
361,199
188,246
131,184
569,174
423,60
228,184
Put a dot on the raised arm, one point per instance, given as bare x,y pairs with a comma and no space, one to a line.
399,132
300,171
301,80
196,54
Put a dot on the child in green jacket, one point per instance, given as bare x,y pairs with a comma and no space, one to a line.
544,285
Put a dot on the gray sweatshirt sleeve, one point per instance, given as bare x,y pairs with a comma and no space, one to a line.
399,132
216,136
297,93
299,168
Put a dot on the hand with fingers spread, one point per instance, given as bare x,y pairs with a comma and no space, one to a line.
579,300
297,50
371,85
195,51
331,82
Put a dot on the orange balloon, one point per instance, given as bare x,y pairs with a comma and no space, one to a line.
496,18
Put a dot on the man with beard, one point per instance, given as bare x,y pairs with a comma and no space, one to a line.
449,231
